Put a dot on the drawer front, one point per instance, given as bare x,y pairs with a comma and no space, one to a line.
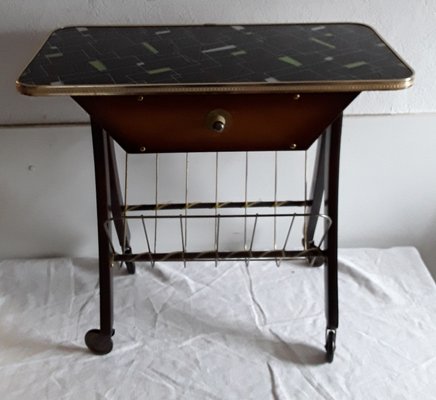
216,122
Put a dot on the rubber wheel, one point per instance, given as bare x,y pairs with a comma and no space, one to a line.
98,343
315,261
131,268
330,346
314,258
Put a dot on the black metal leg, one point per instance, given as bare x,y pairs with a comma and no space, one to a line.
99,340
121,225
333,144
316,195
317,190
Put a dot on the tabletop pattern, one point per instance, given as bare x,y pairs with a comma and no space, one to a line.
213,55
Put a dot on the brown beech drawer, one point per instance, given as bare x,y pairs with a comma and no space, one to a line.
250,122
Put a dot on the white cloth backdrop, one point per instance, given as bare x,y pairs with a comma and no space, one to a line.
220,333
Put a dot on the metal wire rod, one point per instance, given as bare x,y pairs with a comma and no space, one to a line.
247,261
211,205
156,199
326,217
148,242
217,238
216,205
289,232
183,241
186,197
222,256
275,205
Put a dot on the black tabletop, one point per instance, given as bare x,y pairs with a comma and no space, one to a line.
304,57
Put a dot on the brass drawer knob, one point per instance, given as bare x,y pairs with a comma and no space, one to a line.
217,120
219,124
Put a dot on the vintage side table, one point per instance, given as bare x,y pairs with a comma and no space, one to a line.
214,88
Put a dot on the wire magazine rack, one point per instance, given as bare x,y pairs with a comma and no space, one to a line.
216,230
123,253
178,218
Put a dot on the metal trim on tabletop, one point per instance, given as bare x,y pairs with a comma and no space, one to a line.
249,87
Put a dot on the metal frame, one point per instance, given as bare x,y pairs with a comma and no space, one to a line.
216,254
109,209
282,87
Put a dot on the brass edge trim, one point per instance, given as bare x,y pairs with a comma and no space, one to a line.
255,87
18,84
32,125
412,71
285,87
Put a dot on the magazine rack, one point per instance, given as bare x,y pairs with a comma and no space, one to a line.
216,89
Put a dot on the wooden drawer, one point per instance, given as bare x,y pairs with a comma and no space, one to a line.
251,122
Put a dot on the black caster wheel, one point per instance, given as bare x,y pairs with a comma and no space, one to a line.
314,257
330,345
315,260
98,342
131,268
313,254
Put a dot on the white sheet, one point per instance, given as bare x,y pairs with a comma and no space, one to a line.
220,333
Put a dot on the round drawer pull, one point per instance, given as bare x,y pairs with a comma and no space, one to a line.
217,120
219,124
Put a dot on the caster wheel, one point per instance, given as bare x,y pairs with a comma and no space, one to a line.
314,258
315,261
131,268
330,345
98,342
313,254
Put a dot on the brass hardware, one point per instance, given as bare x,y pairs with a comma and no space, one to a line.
142,149
132,89
218,120
219,124
296,96
140,98
293,146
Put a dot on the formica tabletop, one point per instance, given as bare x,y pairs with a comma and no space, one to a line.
123,60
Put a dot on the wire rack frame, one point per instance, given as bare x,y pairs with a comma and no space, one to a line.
246,253
277,252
